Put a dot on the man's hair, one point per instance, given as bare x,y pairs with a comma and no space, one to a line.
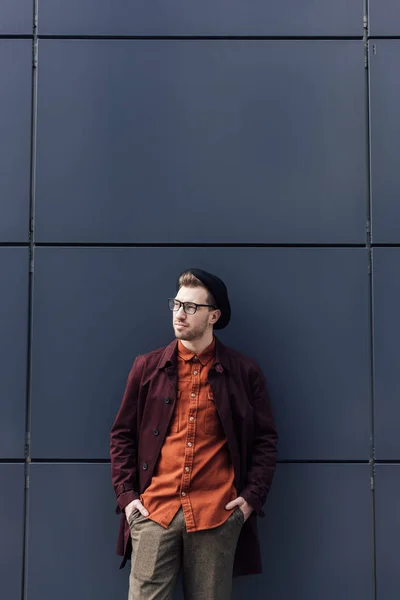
187,279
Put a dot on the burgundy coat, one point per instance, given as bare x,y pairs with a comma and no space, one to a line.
244,408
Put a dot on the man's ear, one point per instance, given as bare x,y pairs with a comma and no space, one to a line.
215,316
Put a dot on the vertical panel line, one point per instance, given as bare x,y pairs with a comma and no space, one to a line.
27,449
370,291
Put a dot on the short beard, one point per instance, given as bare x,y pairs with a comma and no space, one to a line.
192,334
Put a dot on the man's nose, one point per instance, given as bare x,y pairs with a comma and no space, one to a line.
181,313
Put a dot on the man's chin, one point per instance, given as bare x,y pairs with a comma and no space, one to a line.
182,335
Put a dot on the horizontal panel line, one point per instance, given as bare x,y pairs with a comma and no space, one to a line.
12,461
384,37
387,462
196,37
101,461
185,245
322,462
11,36
14,244
107,461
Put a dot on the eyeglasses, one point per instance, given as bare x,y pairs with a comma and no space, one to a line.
189,307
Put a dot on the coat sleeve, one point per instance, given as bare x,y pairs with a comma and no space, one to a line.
263,459
123,440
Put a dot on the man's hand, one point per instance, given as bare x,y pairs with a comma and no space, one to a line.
135,504
242,504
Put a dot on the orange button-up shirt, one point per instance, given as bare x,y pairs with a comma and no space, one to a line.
194,469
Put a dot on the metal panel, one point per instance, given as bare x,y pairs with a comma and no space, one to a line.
14,267
210,17
15,138
385,140
72,534
384,17
318,521
12,529
16,17
386,282
387,493
317,536
303,313
201,141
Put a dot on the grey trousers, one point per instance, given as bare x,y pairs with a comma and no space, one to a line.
205,557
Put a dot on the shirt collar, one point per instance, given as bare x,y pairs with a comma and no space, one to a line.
168,356
204,357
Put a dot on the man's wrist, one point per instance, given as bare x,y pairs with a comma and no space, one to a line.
126,498
254,501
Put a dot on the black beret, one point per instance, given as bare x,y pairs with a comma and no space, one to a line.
217,288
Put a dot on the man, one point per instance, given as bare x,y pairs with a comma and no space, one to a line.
193,452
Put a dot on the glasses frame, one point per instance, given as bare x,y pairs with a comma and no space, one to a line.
182,305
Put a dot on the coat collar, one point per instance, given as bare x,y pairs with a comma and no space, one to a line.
169,356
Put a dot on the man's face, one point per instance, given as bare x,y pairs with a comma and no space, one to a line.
193,327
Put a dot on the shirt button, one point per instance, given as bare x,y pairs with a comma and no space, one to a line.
195,358
191,419
195,372
193,395
183,493
187,469
167,400
155,431
144,466
190,444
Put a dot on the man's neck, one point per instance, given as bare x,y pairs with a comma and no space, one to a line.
198,346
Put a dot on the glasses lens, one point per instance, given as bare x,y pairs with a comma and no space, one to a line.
173,304
189,308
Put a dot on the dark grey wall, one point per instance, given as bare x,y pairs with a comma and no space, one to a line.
259,140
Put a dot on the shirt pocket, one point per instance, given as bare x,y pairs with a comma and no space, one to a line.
174,427
212,422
